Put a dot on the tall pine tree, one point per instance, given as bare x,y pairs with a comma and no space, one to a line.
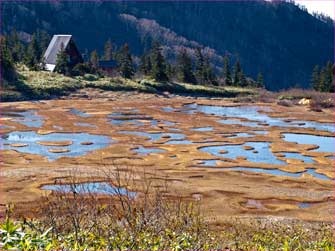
126,66
31,58
260,81
329,77
108,50
237,72
200,62
145,64
17,48
315,82
94,59
158,71
204,73
226,71
208,73
323,79
6,62
62,62
185,68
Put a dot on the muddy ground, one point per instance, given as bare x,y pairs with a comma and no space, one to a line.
222,193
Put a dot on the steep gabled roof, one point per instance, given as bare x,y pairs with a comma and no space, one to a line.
50,55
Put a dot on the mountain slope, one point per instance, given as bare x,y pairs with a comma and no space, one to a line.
275,38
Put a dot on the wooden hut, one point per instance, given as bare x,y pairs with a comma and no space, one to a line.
57,43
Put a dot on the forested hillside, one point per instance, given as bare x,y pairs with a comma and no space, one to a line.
277,39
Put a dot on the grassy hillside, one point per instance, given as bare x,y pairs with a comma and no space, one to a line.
46,85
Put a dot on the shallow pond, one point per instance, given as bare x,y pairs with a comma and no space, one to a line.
79,113
306,159
28,118
241,134
238,122
179,142
156,136
253,113
326,144
202,129
304,205
85,125
126,121
275,172
146,150
258,152
90,187
31,138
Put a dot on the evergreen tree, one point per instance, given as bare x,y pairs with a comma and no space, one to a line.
260,81
145,64
242,79
31,58
126,66
17,48
185,69
62,62
209,76
329,77
204,73
94,59
226,71
43,40
158,71
7,64
199,73
237,73
108,50
170,71
316,78
323,79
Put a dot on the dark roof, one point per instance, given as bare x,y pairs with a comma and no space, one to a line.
50,55
108,64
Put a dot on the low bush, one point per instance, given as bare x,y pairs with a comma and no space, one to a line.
284,102
144,214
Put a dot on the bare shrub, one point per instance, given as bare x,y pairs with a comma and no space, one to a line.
148,218
286,103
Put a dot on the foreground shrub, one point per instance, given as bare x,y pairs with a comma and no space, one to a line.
150,219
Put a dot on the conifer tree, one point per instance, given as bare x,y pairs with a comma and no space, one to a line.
145,64
6,62
43,40
31,58
237,73
329,77
199,73
126,66
243,81
185,69
170,70
315,83
94,59
209,76
204,73
17,48
108,50
158,71
260,81
62,62
226,71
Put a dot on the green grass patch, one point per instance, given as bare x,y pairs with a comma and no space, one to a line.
46,85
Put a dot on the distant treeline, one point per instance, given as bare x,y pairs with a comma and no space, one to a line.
323,78
152,63
186,68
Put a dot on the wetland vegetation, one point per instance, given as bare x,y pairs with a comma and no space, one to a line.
171,147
